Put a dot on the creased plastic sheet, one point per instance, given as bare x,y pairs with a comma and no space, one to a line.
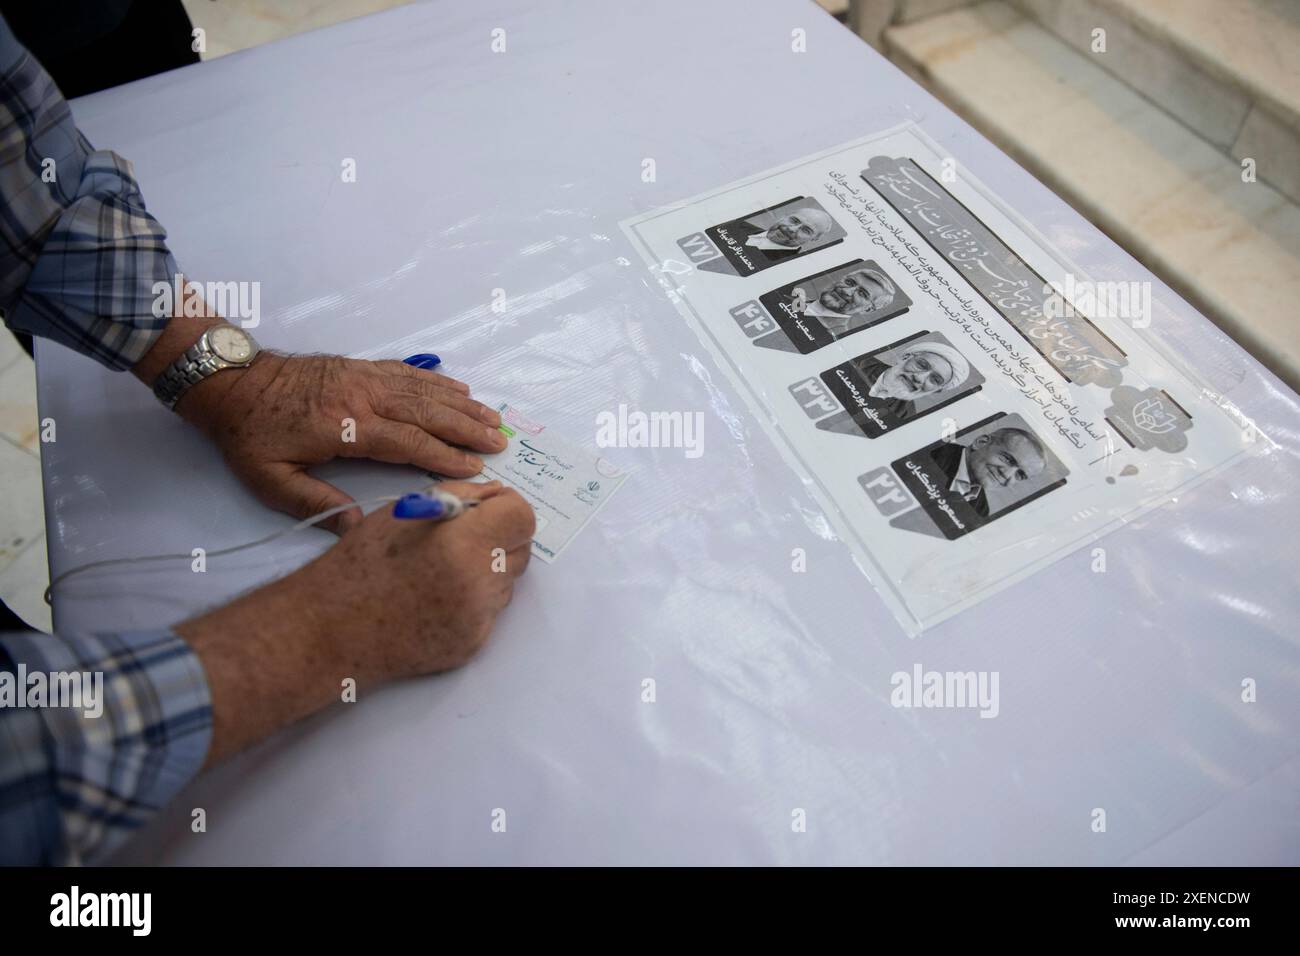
479,172
963,423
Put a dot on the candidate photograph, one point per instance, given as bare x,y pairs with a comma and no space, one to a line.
1002,466
819,309
846,300
980,475
778,234
902,381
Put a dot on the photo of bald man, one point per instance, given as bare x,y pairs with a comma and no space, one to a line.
984,473
992,464
774,235
786,237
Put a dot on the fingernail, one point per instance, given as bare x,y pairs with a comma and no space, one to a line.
475,462
495,438
490,415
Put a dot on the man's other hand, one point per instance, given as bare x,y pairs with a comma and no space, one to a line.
393,598
285,414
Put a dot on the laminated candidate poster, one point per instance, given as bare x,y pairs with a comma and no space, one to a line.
967,405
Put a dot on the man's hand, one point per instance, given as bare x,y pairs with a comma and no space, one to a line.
394,598
285,414
421,596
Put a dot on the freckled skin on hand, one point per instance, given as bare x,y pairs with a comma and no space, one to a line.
394,598
285,414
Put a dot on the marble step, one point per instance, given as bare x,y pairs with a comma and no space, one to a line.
1176,202
1227,69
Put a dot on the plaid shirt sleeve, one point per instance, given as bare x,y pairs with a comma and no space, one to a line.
75,781
79,253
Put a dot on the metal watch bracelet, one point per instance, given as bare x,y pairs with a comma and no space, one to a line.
195,364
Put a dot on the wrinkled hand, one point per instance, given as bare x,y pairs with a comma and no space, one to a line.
285,414
393,598
421,596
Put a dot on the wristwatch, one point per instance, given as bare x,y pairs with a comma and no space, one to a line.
222,346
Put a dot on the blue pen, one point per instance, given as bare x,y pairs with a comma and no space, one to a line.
423,360
431,505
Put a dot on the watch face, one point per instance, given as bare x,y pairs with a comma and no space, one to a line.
231,344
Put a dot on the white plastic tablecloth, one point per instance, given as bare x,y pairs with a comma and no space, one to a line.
479,171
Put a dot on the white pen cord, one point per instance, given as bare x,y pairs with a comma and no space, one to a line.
223,552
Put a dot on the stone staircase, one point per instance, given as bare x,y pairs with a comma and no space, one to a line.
1151,129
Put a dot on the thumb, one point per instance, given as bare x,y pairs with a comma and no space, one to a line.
290,489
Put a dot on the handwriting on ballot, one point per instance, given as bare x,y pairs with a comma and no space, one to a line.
538,466
565,484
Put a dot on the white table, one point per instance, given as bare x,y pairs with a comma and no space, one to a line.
479,171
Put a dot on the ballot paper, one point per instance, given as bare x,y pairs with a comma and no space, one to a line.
965,402
565,484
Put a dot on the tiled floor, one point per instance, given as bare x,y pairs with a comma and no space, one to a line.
23,568
1161,190
239,24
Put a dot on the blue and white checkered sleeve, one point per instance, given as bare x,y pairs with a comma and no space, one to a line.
124,725
79,253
